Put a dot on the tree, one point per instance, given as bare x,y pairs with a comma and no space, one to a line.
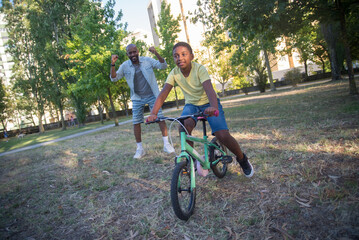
333,15
4,104
256,21
251,59
303,41
29,72
321,55
168,29
236,19
336,54
220,67
95,37
52,22
343,8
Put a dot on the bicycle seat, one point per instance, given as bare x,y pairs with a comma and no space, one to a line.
202,118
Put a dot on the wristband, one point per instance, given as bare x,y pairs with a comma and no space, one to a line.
112,65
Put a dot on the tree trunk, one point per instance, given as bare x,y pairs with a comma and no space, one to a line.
3,125
290,56
33,120
333,64
352,85
184,21
113,107
330,37
306,69
107,115
100,110
323,65
269,70
18,122
44,118
61,108
41,126
126,108
58,119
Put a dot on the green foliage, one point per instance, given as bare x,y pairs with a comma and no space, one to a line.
26,45
320,52
220,66
168,29
248,33
352,20
95,38
4,104
293,76
241,83
261,81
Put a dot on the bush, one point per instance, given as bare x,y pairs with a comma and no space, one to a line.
261,81
293,76
241,83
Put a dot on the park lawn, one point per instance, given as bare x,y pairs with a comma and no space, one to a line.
303,143
48,135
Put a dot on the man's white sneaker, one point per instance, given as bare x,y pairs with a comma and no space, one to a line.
168,148
140,152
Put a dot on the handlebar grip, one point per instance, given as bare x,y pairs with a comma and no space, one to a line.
148,122
216,113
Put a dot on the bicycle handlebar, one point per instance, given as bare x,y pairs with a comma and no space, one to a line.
195,115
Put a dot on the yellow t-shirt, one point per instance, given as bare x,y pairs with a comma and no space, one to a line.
192,85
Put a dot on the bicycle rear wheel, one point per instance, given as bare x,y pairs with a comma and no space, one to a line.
219,169
182,196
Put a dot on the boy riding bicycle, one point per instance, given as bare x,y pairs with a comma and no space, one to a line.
199,94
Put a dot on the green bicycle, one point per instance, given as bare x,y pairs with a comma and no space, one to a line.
183,183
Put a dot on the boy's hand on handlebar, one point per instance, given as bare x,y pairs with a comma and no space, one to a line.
151,118
211,111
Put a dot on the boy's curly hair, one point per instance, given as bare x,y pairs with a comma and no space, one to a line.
183,44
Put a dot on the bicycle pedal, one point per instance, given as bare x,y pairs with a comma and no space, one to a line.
226,159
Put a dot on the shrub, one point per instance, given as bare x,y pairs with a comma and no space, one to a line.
261,81
293,76
241,83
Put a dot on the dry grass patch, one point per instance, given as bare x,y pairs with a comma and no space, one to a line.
303,143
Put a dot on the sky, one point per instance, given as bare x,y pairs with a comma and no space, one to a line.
134,13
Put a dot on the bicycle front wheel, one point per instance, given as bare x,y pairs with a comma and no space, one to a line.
182,196
220,168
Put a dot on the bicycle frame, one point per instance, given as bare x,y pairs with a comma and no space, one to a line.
187,149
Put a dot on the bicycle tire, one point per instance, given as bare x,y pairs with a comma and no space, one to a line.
182,197
219,169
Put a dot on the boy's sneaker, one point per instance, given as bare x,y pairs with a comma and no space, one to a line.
246,166
168,148
140,152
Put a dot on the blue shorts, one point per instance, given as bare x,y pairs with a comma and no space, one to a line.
138,107
216,123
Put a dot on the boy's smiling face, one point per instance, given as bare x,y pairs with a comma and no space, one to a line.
182,57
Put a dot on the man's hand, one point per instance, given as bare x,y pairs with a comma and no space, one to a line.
151,118
211,111
114,59
152,50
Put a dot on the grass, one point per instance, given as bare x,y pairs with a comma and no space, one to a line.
303,143
49,135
